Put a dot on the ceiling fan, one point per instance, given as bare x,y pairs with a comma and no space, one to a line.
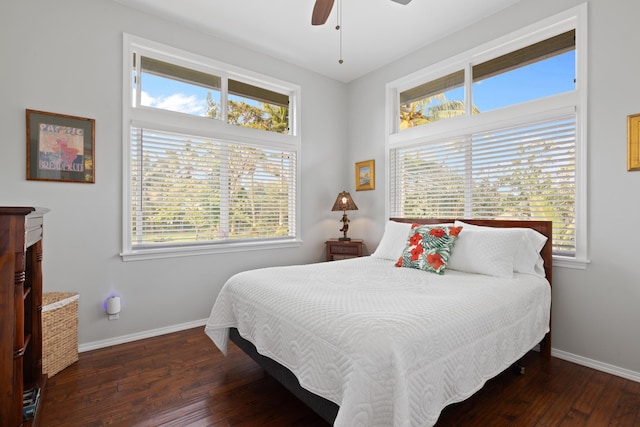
322,9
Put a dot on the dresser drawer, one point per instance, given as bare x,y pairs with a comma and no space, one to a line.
343,249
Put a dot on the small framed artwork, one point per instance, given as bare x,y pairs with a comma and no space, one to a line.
633,142
365,175
60,147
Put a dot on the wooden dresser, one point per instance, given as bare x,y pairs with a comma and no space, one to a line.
20,310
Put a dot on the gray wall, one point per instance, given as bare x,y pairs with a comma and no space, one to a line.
66,57
596,311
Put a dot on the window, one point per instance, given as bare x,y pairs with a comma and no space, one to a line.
522,172
514,145
536,71
210,155
175,88
439,99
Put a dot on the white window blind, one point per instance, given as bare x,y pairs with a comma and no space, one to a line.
210,155
521,172
188,190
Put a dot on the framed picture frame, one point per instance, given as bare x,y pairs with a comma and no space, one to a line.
60,147
365,175
633,142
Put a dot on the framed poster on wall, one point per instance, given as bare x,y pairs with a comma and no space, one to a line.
365,175
633,142
60,147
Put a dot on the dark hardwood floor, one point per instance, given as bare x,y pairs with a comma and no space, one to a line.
181,379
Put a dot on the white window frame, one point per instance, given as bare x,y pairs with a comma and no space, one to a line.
142,116
574,18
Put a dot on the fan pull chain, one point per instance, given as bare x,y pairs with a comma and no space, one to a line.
339,28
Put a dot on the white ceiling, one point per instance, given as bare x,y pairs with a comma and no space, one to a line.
374,32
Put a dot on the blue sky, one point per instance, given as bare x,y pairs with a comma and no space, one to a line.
175,95
551,76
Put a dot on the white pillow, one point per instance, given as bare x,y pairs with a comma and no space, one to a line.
527,258
393,240
485,251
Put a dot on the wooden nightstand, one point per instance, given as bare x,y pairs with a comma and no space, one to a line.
340,249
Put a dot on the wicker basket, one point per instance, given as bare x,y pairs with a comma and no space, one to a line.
59,331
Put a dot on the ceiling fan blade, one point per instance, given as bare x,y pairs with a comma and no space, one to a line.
405,2
321,11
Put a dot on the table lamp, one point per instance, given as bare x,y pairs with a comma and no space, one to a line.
344,203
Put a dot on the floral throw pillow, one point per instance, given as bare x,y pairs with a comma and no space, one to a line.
429,248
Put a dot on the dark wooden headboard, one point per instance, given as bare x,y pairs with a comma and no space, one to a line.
543,227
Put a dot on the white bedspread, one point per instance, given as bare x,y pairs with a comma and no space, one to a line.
392,346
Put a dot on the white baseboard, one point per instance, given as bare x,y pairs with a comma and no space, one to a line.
600,366
94,345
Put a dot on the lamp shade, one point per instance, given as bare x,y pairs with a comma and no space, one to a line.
344,202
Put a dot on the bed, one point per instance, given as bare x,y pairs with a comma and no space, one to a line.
365,342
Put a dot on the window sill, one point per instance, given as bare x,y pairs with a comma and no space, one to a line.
146,254
566,262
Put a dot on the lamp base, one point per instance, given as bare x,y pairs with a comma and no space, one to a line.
345,239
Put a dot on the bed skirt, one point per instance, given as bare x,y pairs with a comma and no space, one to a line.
323,407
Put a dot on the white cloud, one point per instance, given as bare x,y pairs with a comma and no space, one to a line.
180,102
